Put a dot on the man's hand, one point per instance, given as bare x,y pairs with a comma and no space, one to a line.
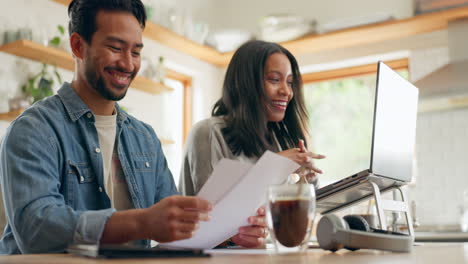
254,235
174,218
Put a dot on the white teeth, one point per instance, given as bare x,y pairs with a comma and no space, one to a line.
120,78
281,103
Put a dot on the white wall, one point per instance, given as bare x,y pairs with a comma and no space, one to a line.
43,16
441,151
245,14
442,168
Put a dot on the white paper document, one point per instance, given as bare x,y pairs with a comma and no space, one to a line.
236,191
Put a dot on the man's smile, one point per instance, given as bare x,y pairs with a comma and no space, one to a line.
119,78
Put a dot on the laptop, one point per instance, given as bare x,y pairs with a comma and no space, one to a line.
127,251
392,148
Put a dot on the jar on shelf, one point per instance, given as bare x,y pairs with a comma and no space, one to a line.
160,70
464,212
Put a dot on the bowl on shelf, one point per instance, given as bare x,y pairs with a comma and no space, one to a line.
356,21
228,40
285,27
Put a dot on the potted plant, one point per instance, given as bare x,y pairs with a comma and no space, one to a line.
59,40
40,85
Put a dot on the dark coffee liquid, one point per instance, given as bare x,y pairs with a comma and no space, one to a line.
290,220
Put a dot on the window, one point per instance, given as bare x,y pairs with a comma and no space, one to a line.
180,117
340,104
186,82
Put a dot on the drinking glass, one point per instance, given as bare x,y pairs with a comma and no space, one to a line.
464,212
290,216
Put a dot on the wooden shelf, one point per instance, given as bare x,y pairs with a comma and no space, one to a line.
37,52
438,104
166,141
346,38
369,34
374,33
63,2
340,73
150,86
30,50
10,116
169,38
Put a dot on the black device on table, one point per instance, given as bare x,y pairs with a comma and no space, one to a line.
127,251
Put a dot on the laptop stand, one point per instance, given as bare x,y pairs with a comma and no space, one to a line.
391,205
382,205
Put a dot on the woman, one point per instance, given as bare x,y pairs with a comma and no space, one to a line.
262,108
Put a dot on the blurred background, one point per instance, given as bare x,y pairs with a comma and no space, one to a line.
188,44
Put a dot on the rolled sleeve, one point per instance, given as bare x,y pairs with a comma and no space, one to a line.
91,225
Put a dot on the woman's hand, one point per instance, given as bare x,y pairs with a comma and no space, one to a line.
254,235
304,158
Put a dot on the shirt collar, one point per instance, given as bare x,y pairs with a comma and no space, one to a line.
76,108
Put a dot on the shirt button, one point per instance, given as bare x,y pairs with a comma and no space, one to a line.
82,179
100,189
89,115
147,164
98,150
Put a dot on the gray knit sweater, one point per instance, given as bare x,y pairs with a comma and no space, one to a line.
205,147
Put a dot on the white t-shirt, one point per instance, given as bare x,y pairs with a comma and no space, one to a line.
114,178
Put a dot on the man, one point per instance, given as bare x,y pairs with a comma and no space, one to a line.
76,168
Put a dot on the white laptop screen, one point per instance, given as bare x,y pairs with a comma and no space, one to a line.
394,125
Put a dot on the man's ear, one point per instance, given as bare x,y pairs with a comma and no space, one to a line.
77,44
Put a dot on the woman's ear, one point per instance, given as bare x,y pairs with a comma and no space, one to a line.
77,45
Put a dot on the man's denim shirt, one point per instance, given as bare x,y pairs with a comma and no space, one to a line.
52,174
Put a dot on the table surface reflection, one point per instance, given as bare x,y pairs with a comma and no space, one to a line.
423,253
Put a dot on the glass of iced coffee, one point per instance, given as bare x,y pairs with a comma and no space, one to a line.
290,216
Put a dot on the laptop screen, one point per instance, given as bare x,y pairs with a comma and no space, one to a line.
394,130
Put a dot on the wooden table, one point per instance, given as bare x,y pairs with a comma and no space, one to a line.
444,253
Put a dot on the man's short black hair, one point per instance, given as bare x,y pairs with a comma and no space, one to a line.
83,13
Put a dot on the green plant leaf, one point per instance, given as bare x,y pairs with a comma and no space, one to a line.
40,85
61,29
55,41
36,76
31,84
57,74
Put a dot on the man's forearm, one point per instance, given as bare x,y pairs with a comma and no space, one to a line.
124,226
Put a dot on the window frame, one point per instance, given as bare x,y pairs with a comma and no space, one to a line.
307,78
186,81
